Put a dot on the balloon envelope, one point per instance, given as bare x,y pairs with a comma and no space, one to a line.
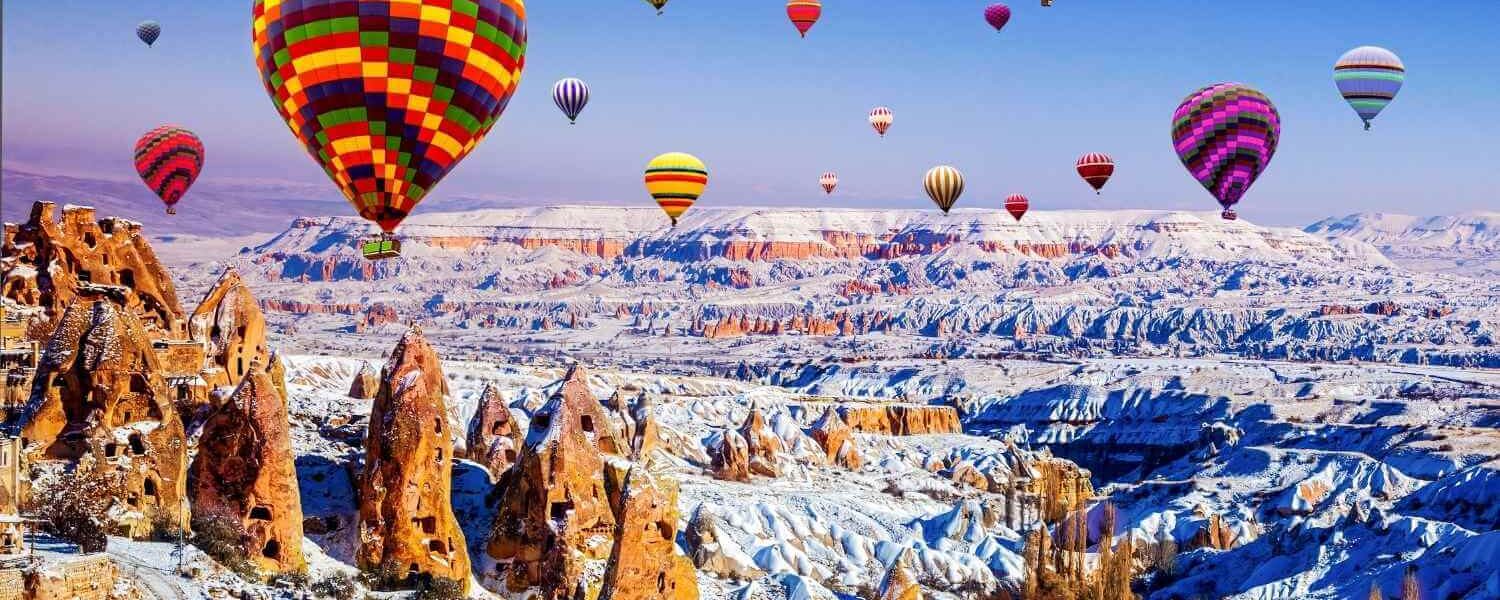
944,185
1369,77
389,95
169,159
829,181
1096,169
1017,205
997,15
571,95
676,180
804,13
881,119
148,31
1225,134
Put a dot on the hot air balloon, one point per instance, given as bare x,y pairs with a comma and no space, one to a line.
571,95
658,4
169,159
676,180
1369,77
1225,135
829,181
389,95
1016,205
997,15
881,119
1095,168
944,185
804,13
148,31
1046,2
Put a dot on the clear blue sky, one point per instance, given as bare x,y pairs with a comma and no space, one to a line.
730,81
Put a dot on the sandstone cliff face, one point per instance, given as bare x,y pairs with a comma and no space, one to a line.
98,402
902,419
578,521
48,261
644,563
230,326
407,529
555,514
366,383
835,437
494,439
245,470
1213,533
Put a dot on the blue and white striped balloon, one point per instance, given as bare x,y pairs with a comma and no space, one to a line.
571,95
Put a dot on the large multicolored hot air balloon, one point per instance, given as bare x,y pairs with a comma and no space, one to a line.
944,185
829,181
1225,135
804,14
148,31
881,119
997,15
1017,205
657,4
169,159
571,95
1369,77
389,95
1096,169
676,180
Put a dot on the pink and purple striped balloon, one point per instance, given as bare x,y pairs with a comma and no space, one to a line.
1225,135
997,15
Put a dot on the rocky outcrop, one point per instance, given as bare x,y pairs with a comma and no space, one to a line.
494,439
620,414
762,443
98,403
576,520
901,419
730,456
645,434
245,471
366,383
407,530
555,516
48,262
713,551
836,438
1213,533
644,564
899,584
229,324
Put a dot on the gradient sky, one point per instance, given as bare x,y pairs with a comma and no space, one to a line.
730,81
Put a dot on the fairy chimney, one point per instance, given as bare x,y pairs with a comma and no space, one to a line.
494,439
407,529
730,457
644,563
762,443
366,383
836,439
245,471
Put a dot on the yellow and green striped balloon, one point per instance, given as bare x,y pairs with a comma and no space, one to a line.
944,185
676,180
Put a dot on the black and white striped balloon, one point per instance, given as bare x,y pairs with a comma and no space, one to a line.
148,31
571,95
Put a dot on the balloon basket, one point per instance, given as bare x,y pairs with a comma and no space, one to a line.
171,210
381,248
1229,215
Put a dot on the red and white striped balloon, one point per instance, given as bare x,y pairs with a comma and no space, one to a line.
829,181
1096,168
881,119
1017,205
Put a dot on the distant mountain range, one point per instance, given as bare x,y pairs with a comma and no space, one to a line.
1467,244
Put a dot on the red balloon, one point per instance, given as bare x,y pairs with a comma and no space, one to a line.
1096,168
1017,205
168,159
997,15
804,13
